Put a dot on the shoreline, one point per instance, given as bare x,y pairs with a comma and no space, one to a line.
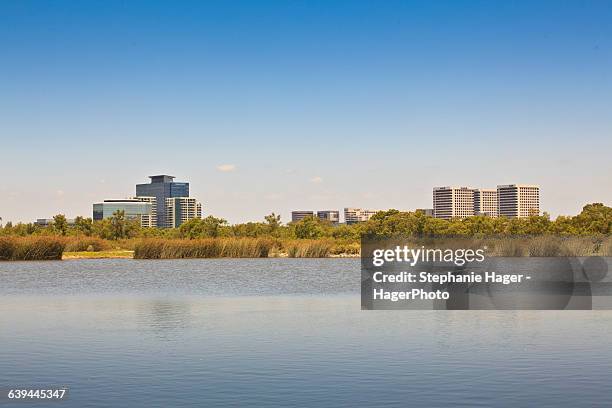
128,254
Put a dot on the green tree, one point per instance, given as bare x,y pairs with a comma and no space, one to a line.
209,227
60,224
309,228
250,229
594,219
83,226
274,222
118,227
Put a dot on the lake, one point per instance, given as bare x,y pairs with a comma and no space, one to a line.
279,332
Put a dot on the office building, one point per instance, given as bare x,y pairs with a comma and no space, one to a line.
518,200
133,210
162,187
300,215
45,222
179,210
149,220
485,202
332,216
355,215
453,202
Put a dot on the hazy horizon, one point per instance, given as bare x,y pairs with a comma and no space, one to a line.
278,106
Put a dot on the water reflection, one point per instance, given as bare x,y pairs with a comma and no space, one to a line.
163,317
160,335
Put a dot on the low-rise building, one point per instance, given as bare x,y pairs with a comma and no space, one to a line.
133,210
300,215
333,216
355,215
45,222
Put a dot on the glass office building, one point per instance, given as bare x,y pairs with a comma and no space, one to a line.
133,209
162,187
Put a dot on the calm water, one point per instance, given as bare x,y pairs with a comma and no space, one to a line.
280,332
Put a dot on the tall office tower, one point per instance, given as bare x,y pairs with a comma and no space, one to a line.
300,215
162,187
132,209
518,200
485,202
453,202
179,210
355,215
149,220
332,216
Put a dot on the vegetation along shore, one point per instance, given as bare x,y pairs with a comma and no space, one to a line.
587,233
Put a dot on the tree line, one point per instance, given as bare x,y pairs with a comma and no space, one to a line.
594,219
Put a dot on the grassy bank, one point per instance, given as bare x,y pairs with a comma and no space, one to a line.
203,248
239,248
53,247
110,254
31,248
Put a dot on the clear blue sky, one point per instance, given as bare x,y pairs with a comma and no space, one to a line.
316,104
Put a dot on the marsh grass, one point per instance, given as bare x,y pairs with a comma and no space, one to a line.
347,249
87,244
548,246
606,247
307,248
31,248
203,248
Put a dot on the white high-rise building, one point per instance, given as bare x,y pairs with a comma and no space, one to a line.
148,220
518,200
355,215
179,210
485,202
453,202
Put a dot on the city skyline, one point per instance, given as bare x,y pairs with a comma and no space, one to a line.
269,106
512,200
342,209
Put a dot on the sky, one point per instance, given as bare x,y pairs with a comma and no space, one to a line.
283,105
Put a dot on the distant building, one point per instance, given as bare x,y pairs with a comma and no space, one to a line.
300,215
149,220
133,210
162,187
355,215
179,210
333,216
485,202
453,202
427,211
45,222
518,200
